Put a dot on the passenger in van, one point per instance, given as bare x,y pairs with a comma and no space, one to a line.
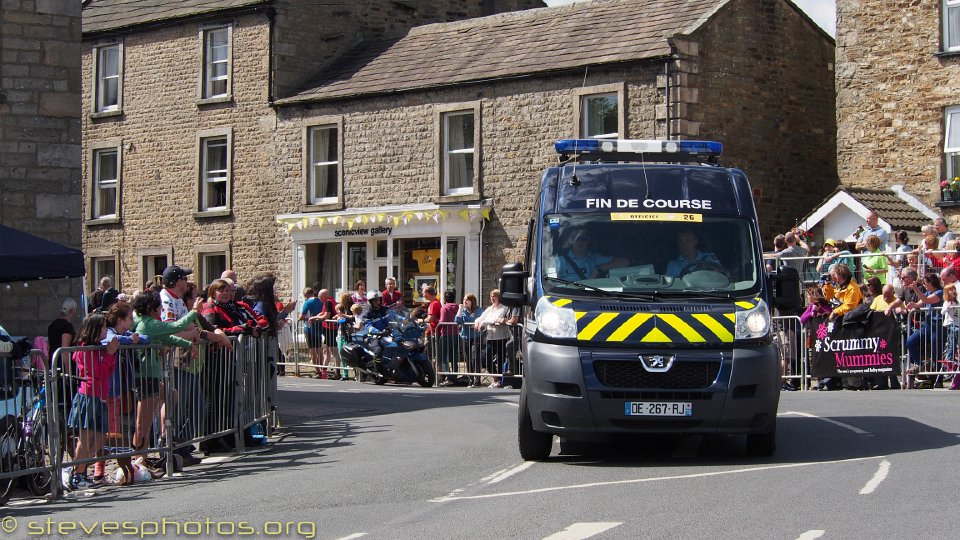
577,261
691,259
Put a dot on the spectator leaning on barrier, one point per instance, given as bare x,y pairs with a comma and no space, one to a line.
873,228
876,264
833,255
842,288
312,332
494,319
448,346
796,247
887,296
928,340
951,326
470,336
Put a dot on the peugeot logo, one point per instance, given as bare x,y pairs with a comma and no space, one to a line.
656,363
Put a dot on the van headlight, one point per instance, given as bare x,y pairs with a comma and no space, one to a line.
753,323
555,322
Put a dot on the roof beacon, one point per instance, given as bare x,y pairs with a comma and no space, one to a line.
705,150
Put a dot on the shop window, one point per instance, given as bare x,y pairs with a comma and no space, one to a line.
323,265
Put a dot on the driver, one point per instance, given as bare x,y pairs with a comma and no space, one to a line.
577,261
690,257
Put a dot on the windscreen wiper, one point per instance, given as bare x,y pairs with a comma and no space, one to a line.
582,285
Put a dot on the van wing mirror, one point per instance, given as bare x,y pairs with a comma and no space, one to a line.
513,285
785,284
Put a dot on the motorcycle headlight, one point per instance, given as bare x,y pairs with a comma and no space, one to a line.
753,323
555,321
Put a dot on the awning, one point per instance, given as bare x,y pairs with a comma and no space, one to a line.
24,257
395,216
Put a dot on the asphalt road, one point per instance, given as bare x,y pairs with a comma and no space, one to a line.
359,461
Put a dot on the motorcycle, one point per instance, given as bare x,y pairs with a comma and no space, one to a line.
391,348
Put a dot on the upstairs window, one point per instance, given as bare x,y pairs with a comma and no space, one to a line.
599,116
216,63
951,25
324,174
951,141
107,77
458,152
215,173
106,176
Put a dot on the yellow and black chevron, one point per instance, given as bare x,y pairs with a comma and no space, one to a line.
715,326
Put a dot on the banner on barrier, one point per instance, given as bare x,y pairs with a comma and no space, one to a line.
869,346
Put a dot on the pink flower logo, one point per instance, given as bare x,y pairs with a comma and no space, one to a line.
883,344
822,331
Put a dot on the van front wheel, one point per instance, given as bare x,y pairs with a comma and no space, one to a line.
534,445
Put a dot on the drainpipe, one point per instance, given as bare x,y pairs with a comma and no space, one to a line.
666,84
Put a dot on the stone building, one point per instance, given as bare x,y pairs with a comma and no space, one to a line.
898,109
178,157
411,142
415,152
39,145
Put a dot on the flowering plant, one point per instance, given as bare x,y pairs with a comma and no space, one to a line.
951,184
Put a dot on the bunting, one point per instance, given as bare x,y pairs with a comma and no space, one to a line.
405,217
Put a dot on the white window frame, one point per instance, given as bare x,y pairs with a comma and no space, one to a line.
948,151
100,79
946,7
585,119
98,184
94,258
207,80
582,95
447,152
313,133
207,176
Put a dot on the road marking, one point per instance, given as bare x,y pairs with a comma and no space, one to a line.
810,535
854,429
352,536
487,478
512,404
643,480
882,471
579,531
507,474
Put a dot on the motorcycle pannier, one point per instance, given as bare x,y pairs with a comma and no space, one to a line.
352,355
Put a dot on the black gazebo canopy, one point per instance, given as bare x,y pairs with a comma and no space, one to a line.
24,257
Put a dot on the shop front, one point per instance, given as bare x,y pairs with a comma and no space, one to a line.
417,244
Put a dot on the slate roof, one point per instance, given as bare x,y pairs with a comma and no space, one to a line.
511,44
890,207
105,15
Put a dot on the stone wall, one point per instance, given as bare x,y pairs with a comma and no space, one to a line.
769,97
891,92
303,48
39,145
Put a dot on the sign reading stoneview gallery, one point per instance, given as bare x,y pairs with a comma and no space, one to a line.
871,346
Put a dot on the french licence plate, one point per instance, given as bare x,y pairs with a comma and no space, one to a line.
657,408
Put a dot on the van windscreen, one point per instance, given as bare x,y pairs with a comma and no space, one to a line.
649,252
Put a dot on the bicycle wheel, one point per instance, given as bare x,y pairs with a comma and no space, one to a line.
9,441
37,454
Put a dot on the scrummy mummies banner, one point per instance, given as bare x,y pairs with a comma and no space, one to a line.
868,348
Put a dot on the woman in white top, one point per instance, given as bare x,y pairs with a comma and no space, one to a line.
499,349
951,325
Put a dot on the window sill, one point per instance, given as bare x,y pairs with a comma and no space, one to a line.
206,214
948,204
215,100
106,114
465,197
324,207
102,221
946,54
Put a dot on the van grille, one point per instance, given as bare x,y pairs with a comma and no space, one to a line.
659,308
620,374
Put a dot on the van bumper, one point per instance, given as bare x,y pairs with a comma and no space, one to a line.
568,397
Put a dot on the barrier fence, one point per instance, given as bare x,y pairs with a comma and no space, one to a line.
458,351
92,406
865,265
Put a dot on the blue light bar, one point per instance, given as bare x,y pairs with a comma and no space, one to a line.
637,146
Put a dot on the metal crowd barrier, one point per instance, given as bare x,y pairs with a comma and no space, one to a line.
155,400
792,340
459,351
931,261
303,350
931,349
24,449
